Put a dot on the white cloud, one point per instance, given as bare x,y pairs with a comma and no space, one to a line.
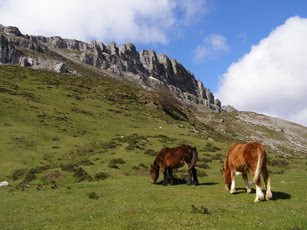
272,77
210,47
191,9
149,21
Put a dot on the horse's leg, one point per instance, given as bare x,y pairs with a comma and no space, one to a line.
171,177
267,182
245,179
194,173
165,177
259,193
189,181
233,182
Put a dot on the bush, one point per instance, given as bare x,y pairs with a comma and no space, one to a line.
279,163
170,105
30,176
69,167
93,195
150,152
19,173
211,148
217,157
113,163
81,174
206,160
203,165
201,173
201,210
101,176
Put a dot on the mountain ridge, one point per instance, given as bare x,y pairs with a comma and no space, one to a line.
146,67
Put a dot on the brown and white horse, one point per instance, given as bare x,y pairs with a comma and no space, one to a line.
243,158
172,158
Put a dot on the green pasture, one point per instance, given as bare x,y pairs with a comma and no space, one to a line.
77,153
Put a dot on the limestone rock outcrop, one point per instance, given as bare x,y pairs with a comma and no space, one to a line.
149,69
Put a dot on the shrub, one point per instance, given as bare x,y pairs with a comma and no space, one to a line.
150,152
165,139
19,173
30,176
81,174
203,165
93,195
211,148
101,176
201,173
113,163
279,163
110,145
206,160
170,105
201,210
217,157
69,167
85,162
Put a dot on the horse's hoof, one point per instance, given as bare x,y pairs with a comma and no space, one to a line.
248,190
259,198
269,196
232,191
195,183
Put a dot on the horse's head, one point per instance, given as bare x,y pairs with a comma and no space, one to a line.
154,173
227,177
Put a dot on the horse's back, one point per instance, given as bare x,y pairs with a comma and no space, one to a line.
175,157
242,156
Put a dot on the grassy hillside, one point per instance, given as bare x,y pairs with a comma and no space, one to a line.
77,152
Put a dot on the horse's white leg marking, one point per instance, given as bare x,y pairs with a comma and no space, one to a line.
233,186
248,189
268,190
259,194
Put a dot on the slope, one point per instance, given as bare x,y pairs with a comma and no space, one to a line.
76,151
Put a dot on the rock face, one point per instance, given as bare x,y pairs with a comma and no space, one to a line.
151,70
8,53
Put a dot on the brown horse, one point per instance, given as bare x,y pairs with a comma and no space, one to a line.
243,158
172,158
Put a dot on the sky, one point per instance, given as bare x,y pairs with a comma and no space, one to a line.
250,54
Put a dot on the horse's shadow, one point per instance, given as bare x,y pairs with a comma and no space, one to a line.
181,181
281,196
176,182
208,183
243,190
276,195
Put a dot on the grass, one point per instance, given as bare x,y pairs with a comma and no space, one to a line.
77,153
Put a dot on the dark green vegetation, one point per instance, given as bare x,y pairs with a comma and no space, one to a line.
77,153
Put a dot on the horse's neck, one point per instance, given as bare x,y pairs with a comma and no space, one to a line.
226,166
155,164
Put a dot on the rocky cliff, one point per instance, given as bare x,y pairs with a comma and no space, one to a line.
149,69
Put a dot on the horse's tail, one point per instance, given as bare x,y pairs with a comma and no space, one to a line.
194,158
261,155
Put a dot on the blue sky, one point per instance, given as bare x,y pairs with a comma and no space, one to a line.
217,40
243,23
